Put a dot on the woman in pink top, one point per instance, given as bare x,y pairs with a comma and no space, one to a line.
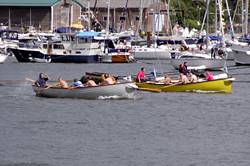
209,76
140,76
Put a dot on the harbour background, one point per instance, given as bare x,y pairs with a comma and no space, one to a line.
154,129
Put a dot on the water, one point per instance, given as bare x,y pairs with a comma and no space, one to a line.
154,129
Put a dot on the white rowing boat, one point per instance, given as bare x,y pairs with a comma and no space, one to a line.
119,90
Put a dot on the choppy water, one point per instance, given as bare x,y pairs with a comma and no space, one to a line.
155,129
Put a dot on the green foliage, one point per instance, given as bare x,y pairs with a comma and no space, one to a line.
190,12
192,23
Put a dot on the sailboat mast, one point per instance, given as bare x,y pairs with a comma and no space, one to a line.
242,15
9,22
221,28
140,18
216,16
107,26
207,6
246,18
230,19
168,12
89,28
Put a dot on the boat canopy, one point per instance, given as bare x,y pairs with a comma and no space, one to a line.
215,38
9,34
66,30
245,38
87,34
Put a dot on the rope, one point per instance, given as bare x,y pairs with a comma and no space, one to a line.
238,67
240,73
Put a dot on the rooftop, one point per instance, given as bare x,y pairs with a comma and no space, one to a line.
30,2
118,3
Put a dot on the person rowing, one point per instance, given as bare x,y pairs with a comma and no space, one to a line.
42,80
209,76
77,83
183,68
192,77
107,79
62,83
90,83
183,79
141,76
167,79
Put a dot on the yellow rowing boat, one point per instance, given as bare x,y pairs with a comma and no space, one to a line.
218,85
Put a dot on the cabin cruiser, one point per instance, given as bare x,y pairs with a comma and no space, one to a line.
82,49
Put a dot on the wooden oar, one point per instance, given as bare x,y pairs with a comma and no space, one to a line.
52,85
29,79
150,89
33,81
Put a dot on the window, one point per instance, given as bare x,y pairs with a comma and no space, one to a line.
58,46
122,18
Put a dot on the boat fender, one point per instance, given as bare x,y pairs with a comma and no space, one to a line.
130,50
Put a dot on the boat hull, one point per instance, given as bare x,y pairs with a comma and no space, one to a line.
121,90
219,86
241,57
23,55
241,54
151,54
117,58
213,64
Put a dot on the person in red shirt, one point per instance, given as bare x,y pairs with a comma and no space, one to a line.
141,76
209,76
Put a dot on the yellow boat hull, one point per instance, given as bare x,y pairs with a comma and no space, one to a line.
220,85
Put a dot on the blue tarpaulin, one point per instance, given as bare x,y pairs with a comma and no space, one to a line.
87,34
217,38
65,30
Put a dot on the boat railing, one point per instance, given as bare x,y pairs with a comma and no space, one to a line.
28,45
113,50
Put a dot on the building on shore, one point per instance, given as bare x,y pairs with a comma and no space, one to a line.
126,14
47,15
43,15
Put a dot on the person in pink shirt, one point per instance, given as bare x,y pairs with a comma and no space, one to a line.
209,76
141,76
